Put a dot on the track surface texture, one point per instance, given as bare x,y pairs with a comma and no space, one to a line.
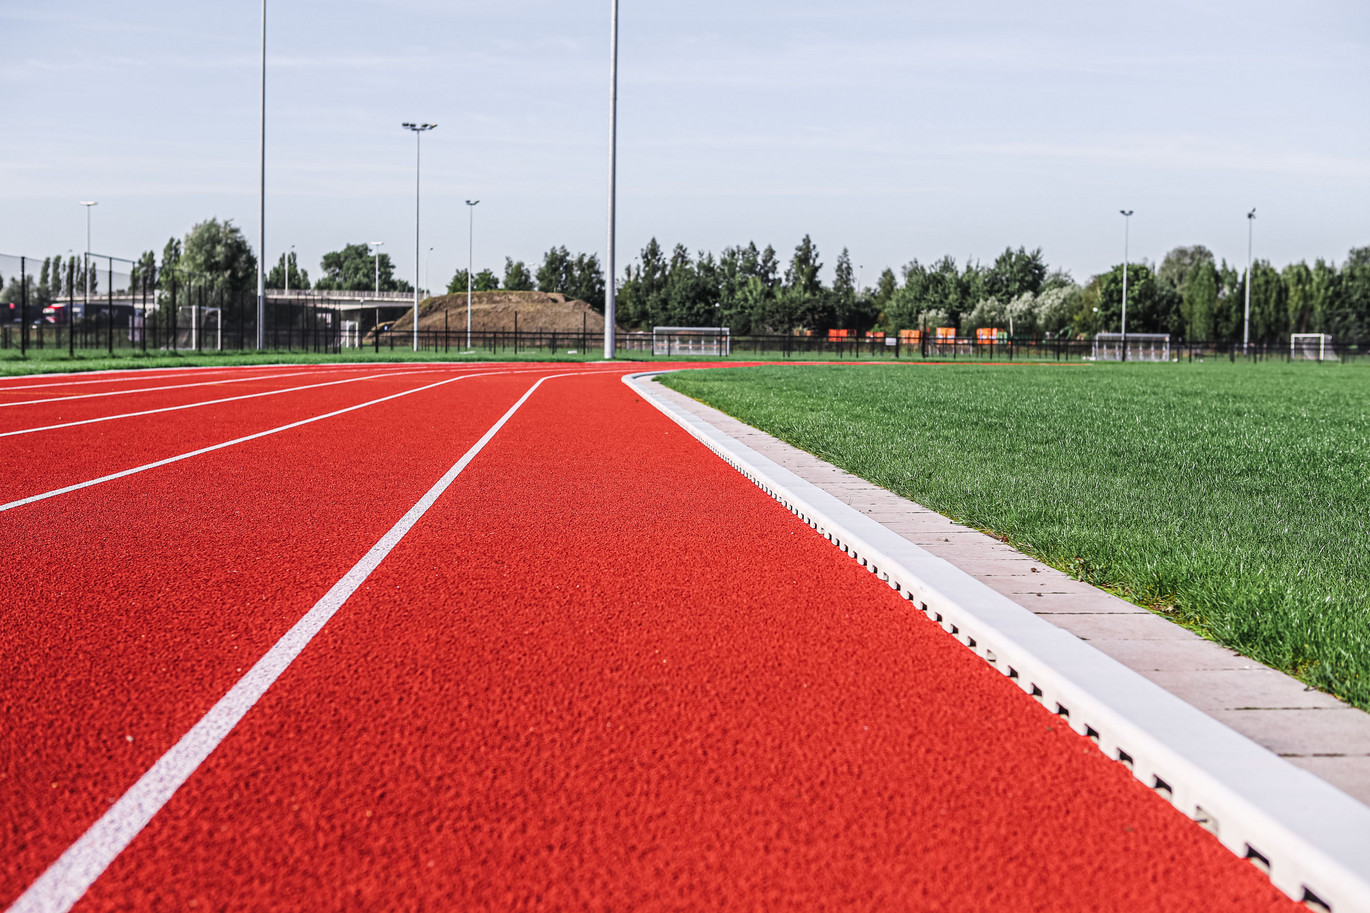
603,671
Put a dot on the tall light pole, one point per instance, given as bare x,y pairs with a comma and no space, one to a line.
470,260
613,152
419,130
1127,221
427,258
289,258
85,275
1246,322
377,253
261,203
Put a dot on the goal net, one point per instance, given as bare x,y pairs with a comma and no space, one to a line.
691,341
1140,346
1312,347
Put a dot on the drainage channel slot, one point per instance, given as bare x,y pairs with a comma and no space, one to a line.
1257,858
1314,902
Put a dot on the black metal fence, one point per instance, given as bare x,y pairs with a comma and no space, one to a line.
780,347
83,303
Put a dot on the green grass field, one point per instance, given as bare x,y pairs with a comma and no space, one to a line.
1234,499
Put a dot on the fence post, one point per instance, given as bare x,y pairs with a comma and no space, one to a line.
109,300
23,308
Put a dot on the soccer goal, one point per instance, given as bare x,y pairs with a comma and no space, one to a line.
1312,347
1140,346
691,341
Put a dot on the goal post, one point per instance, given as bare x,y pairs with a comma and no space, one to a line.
1312,347
1140,346
691,341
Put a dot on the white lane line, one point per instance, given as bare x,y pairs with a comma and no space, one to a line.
120,375
203,383
67,879
210,449
92,378
210,402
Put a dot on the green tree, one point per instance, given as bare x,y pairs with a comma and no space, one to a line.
171,264
642,296
587,281
802,301
1199,301
299,278
1269,307
216,254
354,269
516,276
556,272
1014,273
1355,294
1298,296
1326,292
844,292
1143,313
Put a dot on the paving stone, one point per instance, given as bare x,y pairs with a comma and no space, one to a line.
1143,626
1339,730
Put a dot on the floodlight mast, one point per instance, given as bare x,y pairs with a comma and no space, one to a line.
85,282
261,203
377,254
1127,221
609,303
419,130
470,248
1246,319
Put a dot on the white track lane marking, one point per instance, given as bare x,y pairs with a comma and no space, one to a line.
118,375
209,402
204,383
210,449
59,888
93,378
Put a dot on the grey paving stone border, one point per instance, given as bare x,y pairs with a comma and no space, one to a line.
1312,839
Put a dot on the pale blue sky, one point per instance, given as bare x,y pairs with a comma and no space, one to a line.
899,130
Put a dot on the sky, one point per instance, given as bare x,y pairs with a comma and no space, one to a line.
898,130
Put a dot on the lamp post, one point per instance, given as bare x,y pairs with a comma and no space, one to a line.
85,272
289,258
261,202
1127,221
609,304
427,258
1246,320
419,130
377,253
470,260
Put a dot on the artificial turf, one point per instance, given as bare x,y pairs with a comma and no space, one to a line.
1234,499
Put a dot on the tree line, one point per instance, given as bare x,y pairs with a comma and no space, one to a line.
1189,295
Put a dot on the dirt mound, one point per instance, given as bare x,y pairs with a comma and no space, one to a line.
538,312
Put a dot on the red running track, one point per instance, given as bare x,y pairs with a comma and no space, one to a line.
603,671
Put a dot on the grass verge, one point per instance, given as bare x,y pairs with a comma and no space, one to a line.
1234,499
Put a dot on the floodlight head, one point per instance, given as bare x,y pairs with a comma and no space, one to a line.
1126,212
472,202
89,202
417,128
1252,213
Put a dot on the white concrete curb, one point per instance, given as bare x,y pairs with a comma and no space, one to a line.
1311,839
